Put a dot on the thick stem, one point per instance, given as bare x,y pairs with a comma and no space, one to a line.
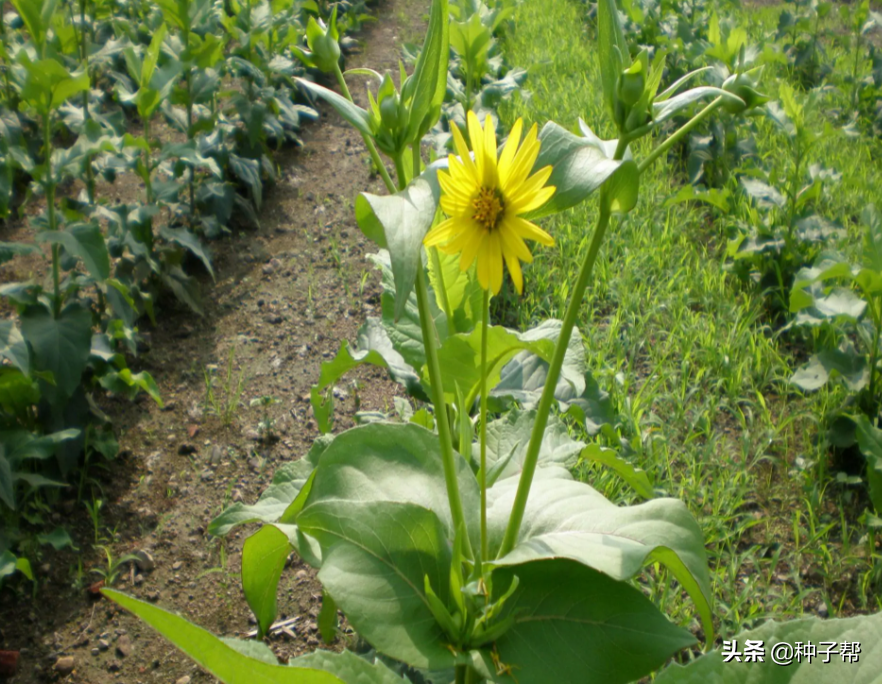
401,171
485,549
680,134
369,143
190,137
544,409
460,674
148,180
441,419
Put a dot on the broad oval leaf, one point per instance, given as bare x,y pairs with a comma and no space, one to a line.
263,559
375,558
574,624
569,519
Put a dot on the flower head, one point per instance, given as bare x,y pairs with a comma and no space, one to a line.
484,199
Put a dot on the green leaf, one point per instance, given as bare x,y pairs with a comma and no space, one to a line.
275,500
568,519
392,462
7,487
399,223
13,346
865,631
831,364
580,166
869,439
327,619
151,56
622,188
429,77
349,667
263,559
60,345
508,437
85,241
670,107
612,50
17,392
189,241
460,357
637,478
36,16
58,539
375,556
10,250
223,661
373,347
353,114
574,624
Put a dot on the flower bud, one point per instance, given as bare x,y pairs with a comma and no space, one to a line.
631,84
743,86
389,112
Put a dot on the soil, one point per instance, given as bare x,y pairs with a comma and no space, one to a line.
284,298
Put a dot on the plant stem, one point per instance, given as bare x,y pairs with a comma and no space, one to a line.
401,171
191,138
369,143
148,180
680,134
50,208
441,419
485,549
460,674
544,409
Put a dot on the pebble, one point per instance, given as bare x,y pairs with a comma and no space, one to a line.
251,434
206,475
114,666
237,495
183,680
217,454
65,665
177,565
274,319
144,561
96,651
124,646
103,645
301,575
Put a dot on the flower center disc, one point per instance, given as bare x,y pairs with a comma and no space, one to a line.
488,207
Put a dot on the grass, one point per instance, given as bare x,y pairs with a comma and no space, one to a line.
698,378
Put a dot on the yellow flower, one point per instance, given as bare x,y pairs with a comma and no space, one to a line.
484,199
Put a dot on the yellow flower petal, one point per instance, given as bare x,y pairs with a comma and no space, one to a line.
463,150
441,233
508,152
529,231
514,268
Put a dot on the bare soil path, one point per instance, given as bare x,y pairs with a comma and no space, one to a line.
285,296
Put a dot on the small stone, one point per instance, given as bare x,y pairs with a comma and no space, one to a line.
103,645
237,496
177,565
96,651
301,575
114,666
144,561
183,680
65,665
254,464
153,595
138,579
206,475
251,434
274,319
823,612
124,646
340,394
217,454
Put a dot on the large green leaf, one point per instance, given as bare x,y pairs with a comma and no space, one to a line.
85,241
263,559
508,437
869,439
13,346
613,49
189,241
833,363
225,662
349,667
429,77
569,519
36,16
460,357
375,558
574,624
391,462
865,631
49,84
60,345
399,223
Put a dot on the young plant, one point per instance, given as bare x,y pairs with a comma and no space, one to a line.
842,305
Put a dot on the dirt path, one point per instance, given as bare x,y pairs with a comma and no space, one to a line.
285,297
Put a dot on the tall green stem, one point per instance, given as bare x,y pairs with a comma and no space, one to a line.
148,180
544,409
369,143
680,134
190,137
50,208
441,419
485,549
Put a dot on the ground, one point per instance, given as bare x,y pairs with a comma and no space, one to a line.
286,295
